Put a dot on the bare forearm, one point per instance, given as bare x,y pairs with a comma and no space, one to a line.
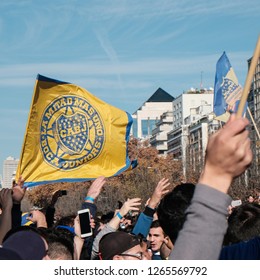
5,224
78,244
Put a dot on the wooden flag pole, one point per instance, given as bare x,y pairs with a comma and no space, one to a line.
249,79
254,124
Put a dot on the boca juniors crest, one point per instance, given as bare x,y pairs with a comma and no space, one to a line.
72,136
227,90
72,133
231,90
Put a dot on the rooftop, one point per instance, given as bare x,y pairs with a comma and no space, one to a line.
161,96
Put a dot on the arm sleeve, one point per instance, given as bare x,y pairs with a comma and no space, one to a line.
50,211
16,215
144,222
95,247
206,223
92,208
249,250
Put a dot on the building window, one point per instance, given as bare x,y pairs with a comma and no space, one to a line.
151,125
144,128
135,128
147,127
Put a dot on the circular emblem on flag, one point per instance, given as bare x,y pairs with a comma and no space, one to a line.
72,133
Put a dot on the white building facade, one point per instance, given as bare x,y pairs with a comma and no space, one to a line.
189,136
159,133
145,118
187,109
191,100
9,171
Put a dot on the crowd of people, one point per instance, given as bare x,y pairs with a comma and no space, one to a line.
191,222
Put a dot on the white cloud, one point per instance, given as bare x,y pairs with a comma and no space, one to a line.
185,64
175,9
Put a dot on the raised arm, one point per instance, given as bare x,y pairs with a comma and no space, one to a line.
160,190
228,155
95,189
38,218
145,219
18,195
113,224
6,203
92,195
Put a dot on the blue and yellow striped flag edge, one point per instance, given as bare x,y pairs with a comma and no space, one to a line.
72,136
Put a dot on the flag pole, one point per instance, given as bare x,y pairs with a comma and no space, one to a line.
249,79
254,124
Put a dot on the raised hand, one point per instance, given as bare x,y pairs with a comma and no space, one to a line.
6,204
228,154
131,204
37,217
19,190
95,188
6,201
159,191
55,197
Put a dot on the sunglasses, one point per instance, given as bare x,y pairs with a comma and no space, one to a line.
139,256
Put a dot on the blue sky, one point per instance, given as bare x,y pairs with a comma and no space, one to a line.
120,50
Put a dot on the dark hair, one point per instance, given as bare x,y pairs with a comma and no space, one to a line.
105,218
243,223
60,238
66,221
155,224
171,210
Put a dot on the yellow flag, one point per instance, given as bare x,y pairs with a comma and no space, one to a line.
72,135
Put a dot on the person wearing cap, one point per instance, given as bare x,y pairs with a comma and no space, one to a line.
6,254
120,245
27,245
113,224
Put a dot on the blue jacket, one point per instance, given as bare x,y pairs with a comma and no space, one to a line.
144,222
249,250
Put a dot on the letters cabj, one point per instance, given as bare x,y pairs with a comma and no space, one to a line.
72,135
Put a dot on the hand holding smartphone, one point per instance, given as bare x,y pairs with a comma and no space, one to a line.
236,203
84,220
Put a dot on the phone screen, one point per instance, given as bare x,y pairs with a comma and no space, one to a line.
63,192
84,219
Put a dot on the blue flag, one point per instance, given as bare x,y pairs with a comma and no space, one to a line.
227,90
24,221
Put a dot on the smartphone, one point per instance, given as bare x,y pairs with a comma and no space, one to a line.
84,220
235,203
120,204
35,208
63,192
